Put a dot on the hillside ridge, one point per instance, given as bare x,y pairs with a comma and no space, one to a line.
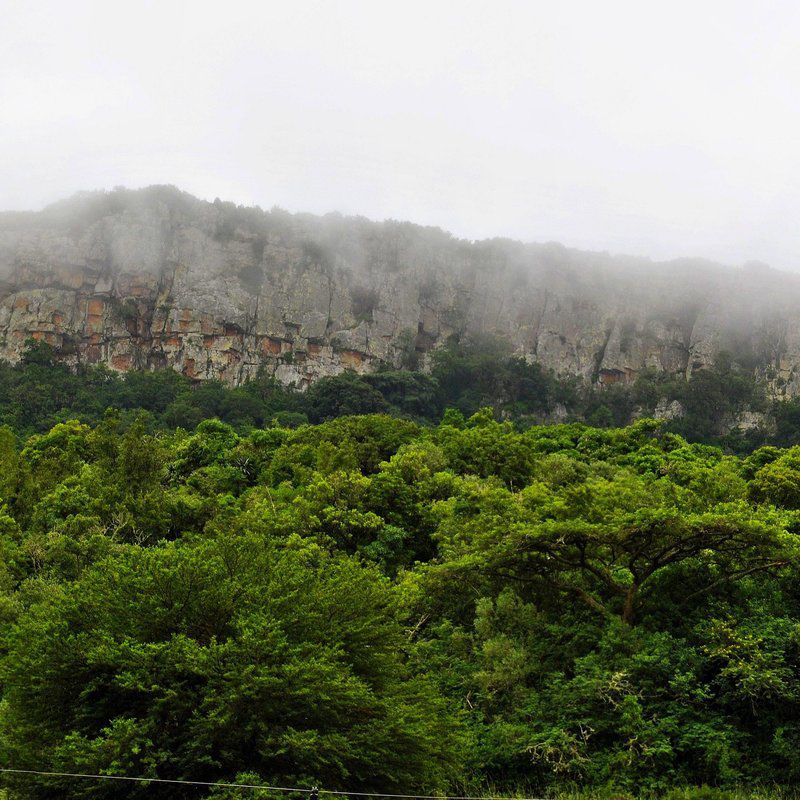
155,278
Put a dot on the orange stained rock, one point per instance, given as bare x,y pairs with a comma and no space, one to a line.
271,346
122,361
351,358
95,307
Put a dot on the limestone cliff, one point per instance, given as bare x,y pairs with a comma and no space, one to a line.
158,279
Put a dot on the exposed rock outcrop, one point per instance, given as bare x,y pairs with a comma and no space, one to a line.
668,410
156,278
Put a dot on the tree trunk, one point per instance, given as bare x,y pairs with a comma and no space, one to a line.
629,608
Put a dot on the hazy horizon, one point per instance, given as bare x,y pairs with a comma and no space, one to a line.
656,132
356,215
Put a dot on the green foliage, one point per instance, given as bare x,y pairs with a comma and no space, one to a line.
371,604
466,376
432,595
481,372
201,659
341,395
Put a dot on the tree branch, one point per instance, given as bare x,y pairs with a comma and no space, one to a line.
734,576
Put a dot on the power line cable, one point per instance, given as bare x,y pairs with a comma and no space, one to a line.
45,773
152,780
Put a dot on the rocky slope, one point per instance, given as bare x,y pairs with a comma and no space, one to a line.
156,278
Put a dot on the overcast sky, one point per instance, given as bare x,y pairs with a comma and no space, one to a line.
661,129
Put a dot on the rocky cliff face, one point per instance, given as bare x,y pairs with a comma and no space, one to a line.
158,279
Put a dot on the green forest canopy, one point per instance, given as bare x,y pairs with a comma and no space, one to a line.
374,604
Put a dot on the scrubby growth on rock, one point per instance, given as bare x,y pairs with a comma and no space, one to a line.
723,405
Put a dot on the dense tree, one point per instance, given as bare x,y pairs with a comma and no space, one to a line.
341,395
378,602
206,659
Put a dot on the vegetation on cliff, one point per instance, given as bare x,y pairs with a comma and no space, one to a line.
39,392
